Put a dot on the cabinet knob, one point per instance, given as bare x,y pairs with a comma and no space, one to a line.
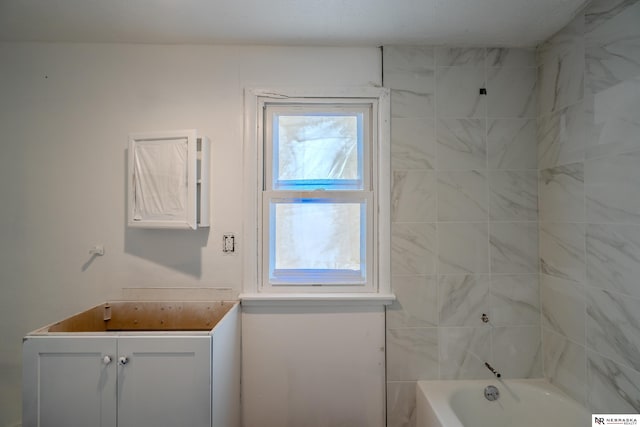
123,360
106,360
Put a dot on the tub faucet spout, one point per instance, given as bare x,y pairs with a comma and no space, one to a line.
492,369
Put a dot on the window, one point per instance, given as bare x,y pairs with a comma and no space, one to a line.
319,193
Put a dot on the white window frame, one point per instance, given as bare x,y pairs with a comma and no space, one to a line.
255,186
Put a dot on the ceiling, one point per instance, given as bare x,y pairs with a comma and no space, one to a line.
287,22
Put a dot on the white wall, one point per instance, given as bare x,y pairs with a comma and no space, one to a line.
313,366
65,112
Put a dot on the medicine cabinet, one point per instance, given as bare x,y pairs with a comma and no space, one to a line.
168,180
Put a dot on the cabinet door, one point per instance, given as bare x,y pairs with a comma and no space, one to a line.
68,382
166,381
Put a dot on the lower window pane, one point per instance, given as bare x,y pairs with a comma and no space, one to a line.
317,241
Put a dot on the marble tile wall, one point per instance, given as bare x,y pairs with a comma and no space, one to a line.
464,218
589,206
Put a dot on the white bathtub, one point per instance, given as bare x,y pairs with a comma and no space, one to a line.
522,403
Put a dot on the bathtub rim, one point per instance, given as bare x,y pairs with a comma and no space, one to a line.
438,402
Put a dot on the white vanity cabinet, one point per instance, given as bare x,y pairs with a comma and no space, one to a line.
82,381
134,378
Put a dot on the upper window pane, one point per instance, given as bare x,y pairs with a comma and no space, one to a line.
315,149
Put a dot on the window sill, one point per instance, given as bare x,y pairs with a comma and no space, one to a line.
351,299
